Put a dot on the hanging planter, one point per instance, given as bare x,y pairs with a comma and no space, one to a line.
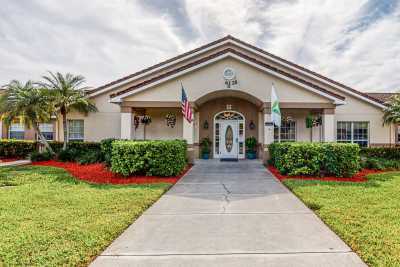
146,120
313,121
170,118
136,121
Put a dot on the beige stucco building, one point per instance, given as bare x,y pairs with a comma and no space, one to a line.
228,83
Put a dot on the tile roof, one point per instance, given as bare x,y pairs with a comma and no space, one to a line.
383,97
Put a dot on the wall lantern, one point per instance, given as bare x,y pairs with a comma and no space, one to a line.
252,126
205,125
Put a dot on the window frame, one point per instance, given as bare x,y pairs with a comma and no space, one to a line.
47,132
82,138
352,133
279,133
16,131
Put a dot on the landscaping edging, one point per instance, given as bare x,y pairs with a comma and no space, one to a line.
99,174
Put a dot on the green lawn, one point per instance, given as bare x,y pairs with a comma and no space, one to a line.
365,215
49,219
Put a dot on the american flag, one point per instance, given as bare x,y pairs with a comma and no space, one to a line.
186,110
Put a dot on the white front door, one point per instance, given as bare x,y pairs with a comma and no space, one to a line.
228,146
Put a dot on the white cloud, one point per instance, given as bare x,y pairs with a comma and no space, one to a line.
105,40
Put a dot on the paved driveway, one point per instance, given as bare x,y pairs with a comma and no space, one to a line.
228,214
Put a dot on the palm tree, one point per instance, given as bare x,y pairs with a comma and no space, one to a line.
392,111
27,103
68,95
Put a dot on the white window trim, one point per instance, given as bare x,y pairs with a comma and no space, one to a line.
42,131
68,132
287,140
352,140
18,131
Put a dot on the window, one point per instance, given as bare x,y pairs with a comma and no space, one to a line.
17,131
217,138
353,132
287,132
75,130
47,130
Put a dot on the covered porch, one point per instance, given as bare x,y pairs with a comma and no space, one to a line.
227,118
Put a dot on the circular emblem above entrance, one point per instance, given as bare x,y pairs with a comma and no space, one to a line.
229,74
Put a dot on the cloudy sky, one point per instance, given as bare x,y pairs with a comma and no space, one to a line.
354,42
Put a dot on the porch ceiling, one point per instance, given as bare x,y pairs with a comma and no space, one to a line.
229,94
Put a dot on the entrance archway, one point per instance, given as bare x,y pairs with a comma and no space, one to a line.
229,135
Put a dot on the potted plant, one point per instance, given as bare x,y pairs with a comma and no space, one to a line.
251,145
205,148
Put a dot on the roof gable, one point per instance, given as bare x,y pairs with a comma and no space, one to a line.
202,62
139,78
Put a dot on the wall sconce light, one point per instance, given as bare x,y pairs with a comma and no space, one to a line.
205,125
252,126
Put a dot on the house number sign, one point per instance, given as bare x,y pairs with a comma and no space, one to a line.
230,77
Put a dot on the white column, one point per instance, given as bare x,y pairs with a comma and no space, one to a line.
268,129
328,125
127,123
268,134
188,131
188,135
196,122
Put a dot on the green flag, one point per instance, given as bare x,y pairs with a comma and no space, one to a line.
275,110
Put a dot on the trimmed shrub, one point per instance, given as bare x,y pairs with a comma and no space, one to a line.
381,152
341,160
78,151
380,164
11,148
81,147
315,159
90,157
68,155
40,156
106,150
153,158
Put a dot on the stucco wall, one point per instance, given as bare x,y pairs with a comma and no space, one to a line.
158,129
357,110
103,124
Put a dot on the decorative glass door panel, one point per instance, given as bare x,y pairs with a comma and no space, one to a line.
229,135
229,138
228,145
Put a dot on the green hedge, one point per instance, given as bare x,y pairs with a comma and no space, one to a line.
158,158
380,163
315,159
80,147
11,148
381,152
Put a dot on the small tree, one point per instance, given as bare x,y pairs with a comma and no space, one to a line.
27,103
392,111
67,95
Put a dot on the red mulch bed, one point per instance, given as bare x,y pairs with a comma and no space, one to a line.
9,159
358,177
99,174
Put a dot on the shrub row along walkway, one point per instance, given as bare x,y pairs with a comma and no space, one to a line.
228,214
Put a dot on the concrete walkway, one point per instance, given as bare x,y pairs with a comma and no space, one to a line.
228,214
15,163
